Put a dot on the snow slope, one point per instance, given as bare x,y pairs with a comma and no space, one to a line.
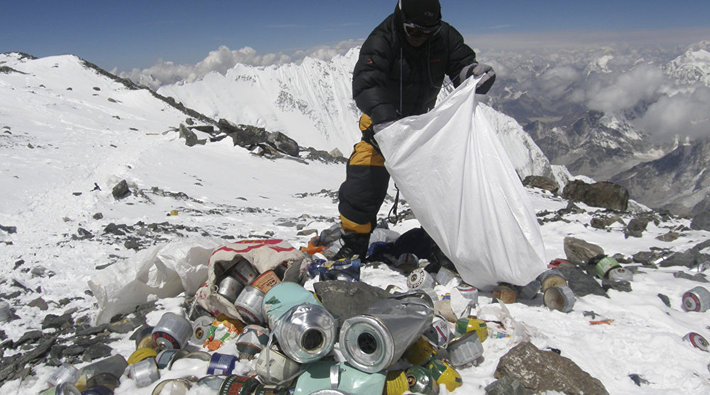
57,145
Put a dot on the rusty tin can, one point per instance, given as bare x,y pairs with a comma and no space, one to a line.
505,294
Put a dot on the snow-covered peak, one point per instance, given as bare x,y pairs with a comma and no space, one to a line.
691,67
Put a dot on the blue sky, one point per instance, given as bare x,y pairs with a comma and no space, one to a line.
135,34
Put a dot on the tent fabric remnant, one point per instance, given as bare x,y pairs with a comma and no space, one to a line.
463,189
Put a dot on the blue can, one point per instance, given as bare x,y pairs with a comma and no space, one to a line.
222,364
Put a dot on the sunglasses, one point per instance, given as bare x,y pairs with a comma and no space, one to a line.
414,30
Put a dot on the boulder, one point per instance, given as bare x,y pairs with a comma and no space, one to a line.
541,371
283,143
701,221
542,183
121,190
603,194
580,282
578,250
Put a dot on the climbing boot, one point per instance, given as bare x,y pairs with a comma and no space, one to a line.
353,244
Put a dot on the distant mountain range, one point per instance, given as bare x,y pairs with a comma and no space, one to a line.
311,103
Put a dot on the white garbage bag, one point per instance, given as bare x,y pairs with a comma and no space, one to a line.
463,189
162,271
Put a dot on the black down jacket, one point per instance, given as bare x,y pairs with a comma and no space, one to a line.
393,79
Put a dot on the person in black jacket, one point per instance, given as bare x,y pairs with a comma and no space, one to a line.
399,72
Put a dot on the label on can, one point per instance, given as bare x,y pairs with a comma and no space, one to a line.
697,299
697,340
604,265
266,281
472,324
236,385
396,383
165,340
420,278
445,374
244,272
221,364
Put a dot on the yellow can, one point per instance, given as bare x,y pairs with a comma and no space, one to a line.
445,374
396,383
141,354
419,352
472,324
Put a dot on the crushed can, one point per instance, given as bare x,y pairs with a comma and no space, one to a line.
144,372
141,354
331,375
396,383
229,287
559,298
236,385
265,281
505,294
106,380
249,305
375,340
251,341
420,279
212,382
304,329
343,269
164,357
273,367
465,350
445,374
439,333
115,364
472,324
172,331
173,387
604,265
697,340
421,381
551,278
144,337
444,276
419,352
696,299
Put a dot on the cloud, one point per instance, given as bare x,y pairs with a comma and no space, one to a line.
223,59
683,114
624,91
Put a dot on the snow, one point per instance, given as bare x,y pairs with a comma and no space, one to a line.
57,144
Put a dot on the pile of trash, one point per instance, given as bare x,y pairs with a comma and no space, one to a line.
254,327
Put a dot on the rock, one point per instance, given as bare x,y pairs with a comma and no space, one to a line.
8,229
29,337
12,368
82,234
127,324
603,194
38,303
96,351
190,137
621,286
283,143
338,296
701,221
636,227
689,259
542,183
580,251
668,237
580,282
665,299
699,277
645,257
59,322
97,216
507,386
120,190
335,153
541,371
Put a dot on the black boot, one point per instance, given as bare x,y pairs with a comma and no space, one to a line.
353,244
